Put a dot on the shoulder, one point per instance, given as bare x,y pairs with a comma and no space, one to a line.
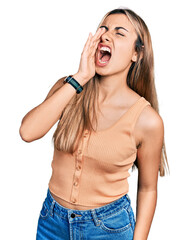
149,125
150,120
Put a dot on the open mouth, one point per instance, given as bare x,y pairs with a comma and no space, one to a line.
103,56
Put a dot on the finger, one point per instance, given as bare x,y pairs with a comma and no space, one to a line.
96,37
94,48
88,42
99,33
95,42
100,30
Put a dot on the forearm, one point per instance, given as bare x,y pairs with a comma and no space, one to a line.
146,204
40,119
37,122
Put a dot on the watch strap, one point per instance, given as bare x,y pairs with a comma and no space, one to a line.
74,83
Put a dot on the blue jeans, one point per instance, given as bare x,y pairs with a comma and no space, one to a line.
112,221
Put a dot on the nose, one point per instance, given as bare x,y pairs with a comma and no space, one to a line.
105,37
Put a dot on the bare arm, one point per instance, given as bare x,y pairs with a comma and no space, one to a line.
149,156
38,121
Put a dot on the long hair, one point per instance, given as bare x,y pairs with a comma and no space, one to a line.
76,117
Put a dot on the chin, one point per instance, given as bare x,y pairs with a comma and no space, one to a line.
103,71
106,72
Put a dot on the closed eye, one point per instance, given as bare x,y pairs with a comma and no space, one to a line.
116,29
120,34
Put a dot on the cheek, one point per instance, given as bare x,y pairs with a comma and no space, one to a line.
123,56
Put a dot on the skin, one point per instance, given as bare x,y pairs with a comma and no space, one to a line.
113,75
115,98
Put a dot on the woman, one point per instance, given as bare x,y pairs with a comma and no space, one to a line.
108,122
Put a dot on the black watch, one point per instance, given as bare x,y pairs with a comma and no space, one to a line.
74,83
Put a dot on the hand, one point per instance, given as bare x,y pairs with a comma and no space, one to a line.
87,62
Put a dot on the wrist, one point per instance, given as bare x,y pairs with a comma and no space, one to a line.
80,79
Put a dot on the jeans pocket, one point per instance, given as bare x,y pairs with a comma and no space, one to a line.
44,213
116,222
130,212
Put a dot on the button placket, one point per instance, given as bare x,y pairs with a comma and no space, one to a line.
79,159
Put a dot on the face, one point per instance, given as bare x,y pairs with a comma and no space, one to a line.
119,38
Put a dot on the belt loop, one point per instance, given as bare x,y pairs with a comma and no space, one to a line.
97,222
52,207
127,196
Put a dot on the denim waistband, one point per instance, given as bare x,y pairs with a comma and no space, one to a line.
80,215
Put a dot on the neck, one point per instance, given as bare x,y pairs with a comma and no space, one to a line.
113,88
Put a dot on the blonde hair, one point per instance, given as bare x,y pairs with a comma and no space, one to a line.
140,78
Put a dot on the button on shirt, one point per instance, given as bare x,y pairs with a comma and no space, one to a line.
96,174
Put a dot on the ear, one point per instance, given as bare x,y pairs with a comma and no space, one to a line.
134,57
138,55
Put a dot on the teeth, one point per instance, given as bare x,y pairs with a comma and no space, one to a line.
105,49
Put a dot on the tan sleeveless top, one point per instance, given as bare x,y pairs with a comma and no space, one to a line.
96,174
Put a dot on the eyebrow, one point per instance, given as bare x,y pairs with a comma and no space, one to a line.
116,28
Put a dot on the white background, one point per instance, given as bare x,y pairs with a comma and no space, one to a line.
41,41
